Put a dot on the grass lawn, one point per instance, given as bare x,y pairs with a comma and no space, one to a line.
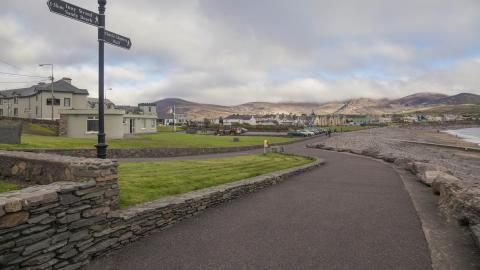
37,129
162,139
146,181
168,129
5,186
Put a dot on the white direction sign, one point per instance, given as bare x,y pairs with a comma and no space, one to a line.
74,12
117,40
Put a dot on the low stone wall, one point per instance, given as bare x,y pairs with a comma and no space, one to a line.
150,152
63,225
458,199
28,169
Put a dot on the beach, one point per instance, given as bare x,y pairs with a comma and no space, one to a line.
390,141
467,134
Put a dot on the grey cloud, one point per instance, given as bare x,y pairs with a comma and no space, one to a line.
229,51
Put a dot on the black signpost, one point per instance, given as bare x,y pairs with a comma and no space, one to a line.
98,20
117,40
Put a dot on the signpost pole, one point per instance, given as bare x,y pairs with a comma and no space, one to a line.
101,145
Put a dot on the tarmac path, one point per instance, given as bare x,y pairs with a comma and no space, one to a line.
351,213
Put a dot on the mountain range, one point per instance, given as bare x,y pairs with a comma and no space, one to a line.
419,102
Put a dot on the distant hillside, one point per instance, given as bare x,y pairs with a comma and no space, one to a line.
462,98
192,109
420,98
426,102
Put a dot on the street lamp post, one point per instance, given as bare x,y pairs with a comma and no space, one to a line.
101,145
51,86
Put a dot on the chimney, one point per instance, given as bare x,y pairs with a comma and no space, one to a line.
67,80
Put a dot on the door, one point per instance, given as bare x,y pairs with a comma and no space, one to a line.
132,126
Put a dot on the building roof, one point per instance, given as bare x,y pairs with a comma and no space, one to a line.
129,109
58,86
238,117
147,104
95,100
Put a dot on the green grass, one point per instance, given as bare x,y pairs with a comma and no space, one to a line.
162,139
37,129
6,186
168,129
146,181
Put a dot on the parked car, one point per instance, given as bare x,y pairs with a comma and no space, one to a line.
308,132
297,133
239,130
316,131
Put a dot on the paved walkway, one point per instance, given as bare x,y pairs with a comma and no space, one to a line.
352,213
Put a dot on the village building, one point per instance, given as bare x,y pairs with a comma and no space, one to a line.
76,112
35,102
329,120
240,119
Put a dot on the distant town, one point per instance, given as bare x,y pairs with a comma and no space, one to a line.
78,112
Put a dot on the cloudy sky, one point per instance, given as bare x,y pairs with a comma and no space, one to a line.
230,51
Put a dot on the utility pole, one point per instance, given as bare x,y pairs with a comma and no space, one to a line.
174,127
51,86
101,145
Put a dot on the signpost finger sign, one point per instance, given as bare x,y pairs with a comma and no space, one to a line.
117,40
96,19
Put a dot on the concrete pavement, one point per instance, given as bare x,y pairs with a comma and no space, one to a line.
352,213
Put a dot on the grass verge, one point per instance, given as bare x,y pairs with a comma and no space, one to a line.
168,129
6,186
146,181
163,139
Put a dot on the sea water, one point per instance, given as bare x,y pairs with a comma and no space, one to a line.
468,134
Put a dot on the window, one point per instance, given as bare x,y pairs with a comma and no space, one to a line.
1,112
36,110
144,123
149,109
66,102
56,102
92,124
1,101
15,111
153,123
15,100
36,97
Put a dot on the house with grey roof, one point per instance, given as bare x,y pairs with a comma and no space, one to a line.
77,112
37,102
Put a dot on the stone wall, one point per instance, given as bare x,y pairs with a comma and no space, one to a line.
10,132
27,169
64,225
63,125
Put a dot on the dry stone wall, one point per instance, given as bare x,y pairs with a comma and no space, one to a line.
65,224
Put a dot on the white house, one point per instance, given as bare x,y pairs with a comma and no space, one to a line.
240,119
